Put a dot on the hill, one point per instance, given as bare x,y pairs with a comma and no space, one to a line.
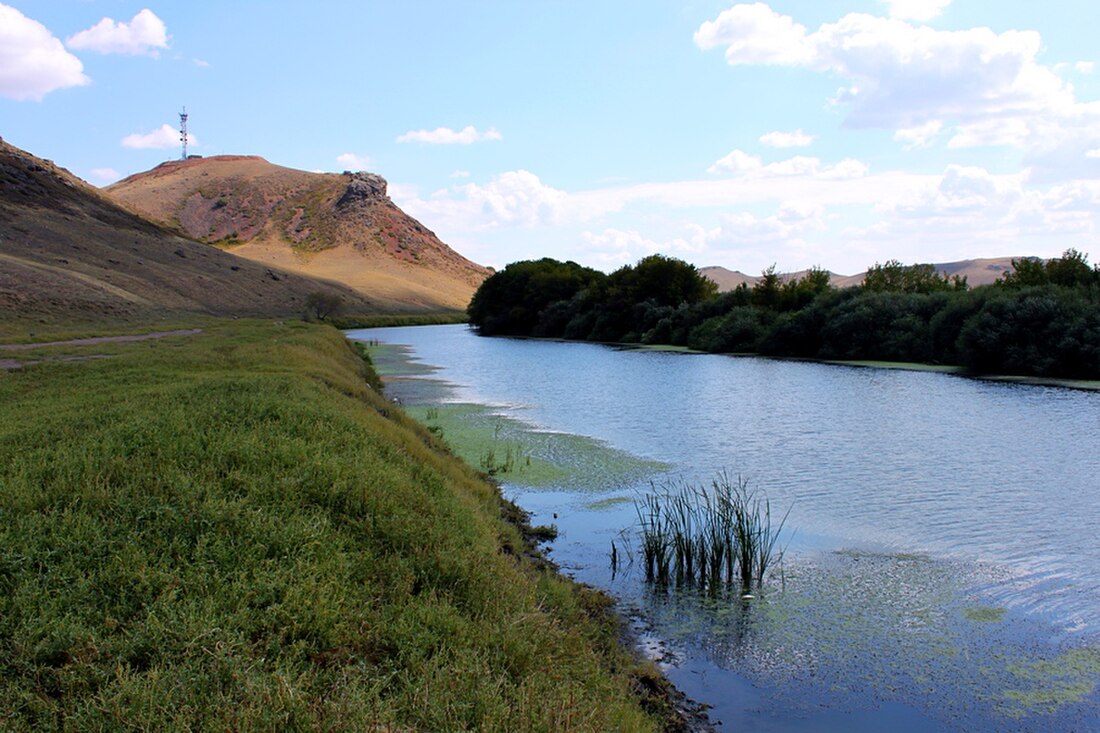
341,227
68,254
977,272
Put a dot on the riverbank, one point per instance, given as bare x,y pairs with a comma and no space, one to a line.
930,584
1091,385
234,530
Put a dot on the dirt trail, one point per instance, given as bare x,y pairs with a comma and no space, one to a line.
101,340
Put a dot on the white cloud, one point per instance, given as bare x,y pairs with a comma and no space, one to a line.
201,63
447,136
901,76
920,136
164,136
796,139
740,163
615,247
750,220
1013,131
920,10
1085,67
460,174
514,198
144,35
353,161
105,175
33,62
737,161
1094,153
756,34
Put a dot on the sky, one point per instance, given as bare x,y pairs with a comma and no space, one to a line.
794,133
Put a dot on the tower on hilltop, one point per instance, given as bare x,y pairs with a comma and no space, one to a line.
183,133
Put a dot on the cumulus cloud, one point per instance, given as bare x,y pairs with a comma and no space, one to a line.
796,139
33,62
144,35
756,34
353,161
514,198
740,163
613,247
736,161
164,136
447,136
801,217
900,76
920,136
920,10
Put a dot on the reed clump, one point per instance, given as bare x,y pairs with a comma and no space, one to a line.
715,536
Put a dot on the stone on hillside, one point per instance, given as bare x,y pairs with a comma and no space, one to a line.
363,187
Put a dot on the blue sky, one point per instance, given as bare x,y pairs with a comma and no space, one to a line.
825,133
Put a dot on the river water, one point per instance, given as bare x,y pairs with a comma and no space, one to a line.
942,550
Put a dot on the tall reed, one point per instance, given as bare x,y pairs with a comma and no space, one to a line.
708,536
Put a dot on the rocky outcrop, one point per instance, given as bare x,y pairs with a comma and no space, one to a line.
363,188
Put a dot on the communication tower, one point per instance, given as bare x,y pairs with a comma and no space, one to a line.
183,132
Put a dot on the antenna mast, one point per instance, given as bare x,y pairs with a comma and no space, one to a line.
183,132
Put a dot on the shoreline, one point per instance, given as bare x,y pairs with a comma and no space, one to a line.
1090,385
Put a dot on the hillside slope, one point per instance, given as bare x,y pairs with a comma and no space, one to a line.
341,227
68,253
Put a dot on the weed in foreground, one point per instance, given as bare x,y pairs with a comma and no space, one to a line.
708,536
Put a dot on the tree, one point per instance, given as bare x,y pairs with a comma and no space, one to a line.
513,301
894,277
320,305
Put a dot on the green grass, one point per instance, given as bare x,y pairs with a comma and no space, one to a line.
235,531
707,537
349,321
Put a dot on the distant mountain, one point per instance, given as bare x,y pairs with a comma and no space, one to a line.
69,253
341,227
727,279
977,272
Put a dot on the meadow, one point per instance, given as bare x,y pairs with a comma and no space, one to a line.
236,530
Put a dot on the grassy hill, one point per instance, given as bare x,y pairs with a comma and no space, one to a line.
70,256
232,530
339,227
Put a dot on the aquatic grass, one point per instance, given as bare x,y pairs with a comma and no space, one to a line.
708,536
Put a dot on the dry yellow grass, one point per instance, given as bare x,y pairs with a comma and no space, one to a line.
306,223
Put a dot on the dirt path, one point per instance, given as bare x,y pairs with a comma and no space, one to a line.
101,340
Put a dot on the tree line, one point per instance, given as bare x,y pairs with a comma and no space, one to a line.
1042,318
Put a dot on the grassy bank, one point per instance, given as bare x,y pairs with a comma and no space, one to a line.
232,530
400,319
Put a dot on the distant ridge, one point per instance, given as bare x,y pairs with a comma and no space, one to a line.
977,272
341,227
69,253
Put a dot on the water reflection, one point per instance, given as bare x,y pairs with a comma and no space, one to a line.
944,574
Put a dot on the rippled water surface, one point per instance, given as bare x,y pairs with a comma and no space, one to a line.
945,516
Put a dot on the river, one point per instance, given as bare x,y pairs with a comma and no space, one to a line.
941,566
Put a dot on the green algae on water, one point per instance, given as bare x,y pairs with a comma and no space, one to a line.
985,614
520,455
1048,684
